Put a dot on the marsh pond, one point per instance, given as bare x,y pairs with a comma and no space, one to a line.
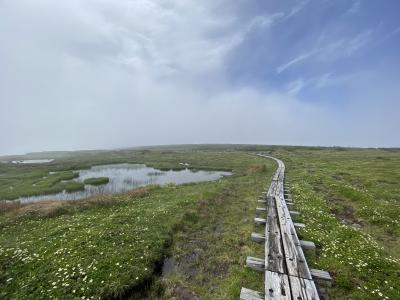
126,177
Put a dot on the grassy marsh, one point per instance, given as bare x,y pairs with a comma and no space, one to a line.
112,246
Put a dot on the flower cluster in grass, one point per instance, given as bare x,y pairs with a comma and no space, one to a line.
376,209
95,252
356,261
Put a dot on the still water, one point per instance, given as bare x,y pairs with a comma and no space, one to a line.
126,177
31,161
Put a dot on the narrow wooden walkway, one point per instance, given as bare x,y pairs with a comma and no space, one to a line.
287,275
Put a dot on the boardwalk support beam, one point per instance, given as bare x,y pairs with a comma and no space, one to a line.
307,245
299,225
261,210
255,263
247,294
257,237
260,221
321,277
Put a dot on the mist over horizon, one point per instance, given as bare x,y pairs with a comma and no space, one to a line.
195,146
101,74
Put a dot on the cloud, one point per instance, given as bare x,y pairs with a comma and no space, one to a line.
359,41
391,34
104,74
265,20
354,8
297,8
330,50
294,87
297,60
90,75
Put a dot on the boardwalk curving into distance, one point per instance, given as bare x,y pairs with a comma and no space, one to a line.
287,275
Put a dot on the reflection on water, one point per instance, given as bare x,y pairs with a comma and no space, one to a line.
32,161
126,177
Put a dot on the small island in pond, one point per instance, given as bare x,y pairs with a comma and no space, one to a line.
96,180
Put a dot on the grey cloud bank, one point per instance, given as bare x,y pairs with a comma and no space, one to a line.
105,74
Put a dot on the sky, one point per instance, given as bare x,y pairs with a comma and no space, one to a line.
101,74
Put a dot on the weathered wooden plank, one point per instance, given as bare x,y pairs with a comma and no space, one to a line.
294,214
270,201
321,277
247,294
281,237
303,289
258,237
255,263
295,261
271,190
276,286
274,258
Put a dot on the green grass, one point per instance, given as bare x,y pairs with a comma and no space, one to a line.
350,202
22,181
96,180
348,199
106,247
356,261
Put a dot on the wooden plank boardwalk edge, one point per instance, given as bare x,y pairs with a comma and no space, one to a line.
287,275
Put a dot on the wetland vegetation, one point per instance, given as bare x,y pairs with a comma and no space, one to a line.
101,180
96,180
114,245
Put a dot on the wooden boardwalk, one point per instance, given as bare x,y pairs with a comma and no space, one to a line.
287,275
